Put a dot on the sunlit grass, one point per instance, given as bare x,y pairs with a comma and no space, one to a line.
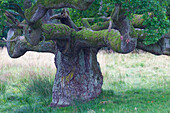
132,83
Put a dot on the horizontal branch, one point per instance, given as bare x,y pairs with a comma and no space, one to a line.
83,38
162,47
86,21
157,49
97,26
68,40
59,33
19,47
38,10
137,22
98,39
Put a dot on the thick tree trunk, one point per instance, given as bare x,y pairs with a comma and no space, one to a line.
78,77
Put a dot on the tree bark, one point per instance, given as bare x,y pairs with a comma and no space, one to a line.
78,77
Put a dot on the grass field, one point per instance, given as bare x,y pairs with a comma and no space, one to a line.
132,83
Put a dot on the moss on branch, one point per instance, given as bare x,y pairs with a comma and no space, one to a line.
31,11
103,38
56,31
137,21
87,37
92,38
100,26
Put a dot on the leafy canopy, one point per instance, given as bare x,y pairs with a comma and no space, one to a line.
156,25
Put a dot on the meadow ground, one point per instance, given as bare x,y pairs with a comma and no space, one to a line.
132,83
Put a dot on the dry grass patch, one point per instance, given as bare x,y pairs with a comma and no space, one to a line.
30,64
134,70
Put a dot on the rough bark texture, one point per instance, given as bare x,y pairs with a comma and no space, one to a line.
78,77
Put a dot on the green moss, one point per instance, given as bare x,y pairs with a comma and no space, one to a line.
93,37
37,24
112,14
58,31
99,26
137,21
133,33
29,12
100,37
86,23
12,47
28,44
114,40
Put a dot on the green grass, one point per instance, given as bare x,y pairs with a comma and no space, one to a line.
132,83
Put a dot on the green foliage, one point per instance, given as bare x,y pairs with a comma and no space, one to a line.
154,13
2,44
2,17
4,4
92,11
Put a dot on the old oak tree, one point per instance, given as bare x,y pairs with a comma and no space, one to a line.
121,25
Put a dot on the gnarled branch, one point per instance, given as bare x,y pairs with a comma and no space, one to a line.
123,24
65,19
41,7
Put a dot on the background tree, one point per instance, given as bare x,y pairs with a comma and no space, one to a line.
112,24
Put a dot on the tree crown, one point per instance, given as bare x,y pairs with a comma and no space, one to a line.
154,13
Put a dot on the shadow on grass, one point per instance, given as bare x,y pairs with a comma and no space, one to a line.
141,100
36,94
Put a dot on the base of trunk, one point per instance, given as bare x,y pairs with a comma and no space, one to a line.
78,78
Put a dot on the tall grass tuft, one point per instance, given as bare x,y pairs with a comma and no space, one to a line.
41,85
2,87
